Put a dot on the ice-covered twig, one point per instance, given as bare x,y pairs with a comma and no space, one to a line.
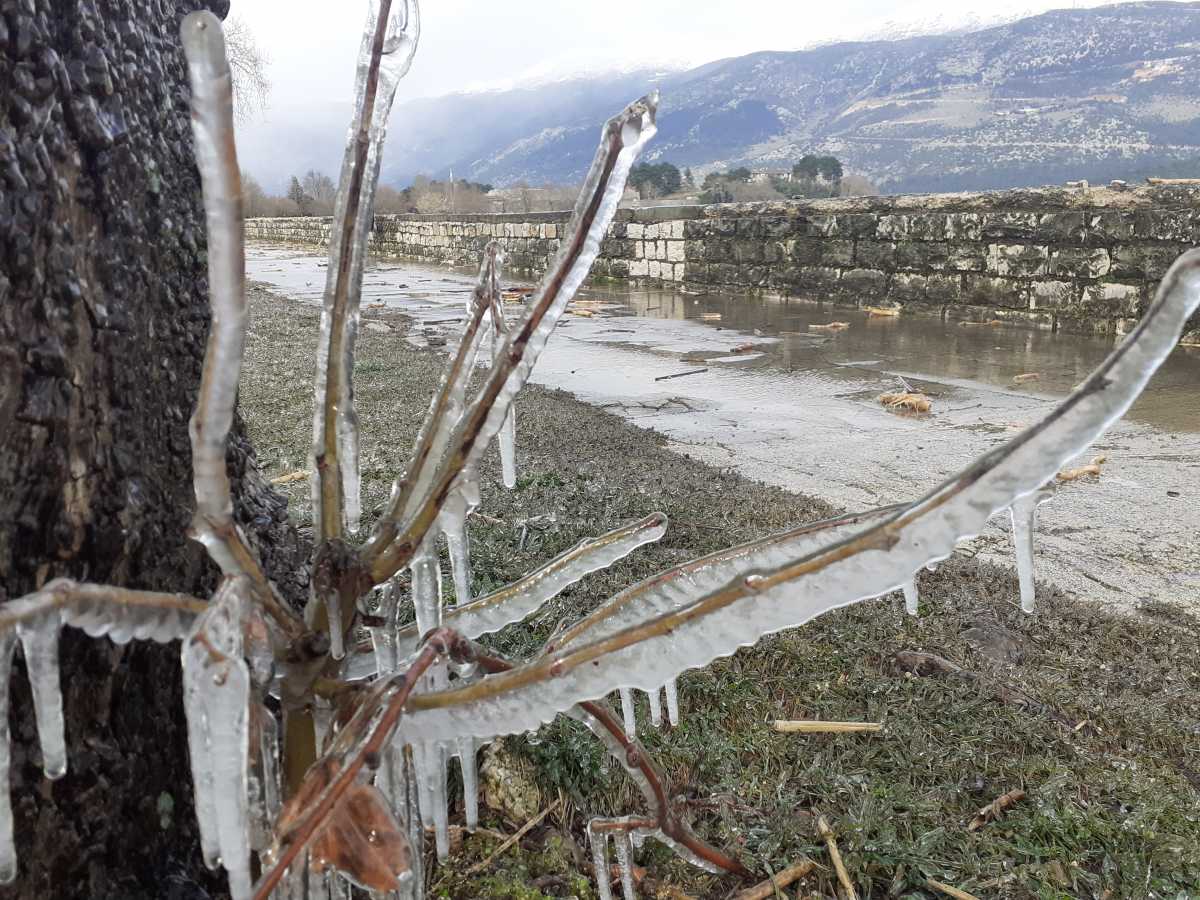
665,820
446,408
220,179
526,595
868,564
393,542
100,609
36,620
676,587
362,740
389,42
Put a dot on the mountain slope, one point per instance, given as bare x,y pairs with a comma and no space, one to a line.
1094,93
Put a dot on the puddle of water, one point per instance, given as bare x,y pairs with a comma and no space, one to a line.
771,339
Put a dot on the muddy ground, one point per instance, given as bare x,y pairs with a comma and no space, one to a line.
1094,714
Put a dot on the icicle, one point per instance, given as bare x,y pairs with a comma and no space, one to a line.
508,448
655,707
39,640
352,216
1024,521
264,787
383,637
470,776
427,587
599,841
912,600
625,863
216,684
336,887
453,523
628,713
333,608
672,691
8,849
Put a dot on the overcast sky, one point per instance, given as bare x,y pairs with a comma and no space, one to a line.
469,45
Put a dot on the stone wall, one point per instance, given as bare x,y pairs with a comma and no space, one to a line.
1077,259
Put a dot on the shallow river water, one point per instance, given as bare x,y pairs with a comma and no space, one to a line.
798,408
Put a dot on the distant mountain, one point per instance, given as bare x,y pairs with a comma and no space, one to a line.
1100,93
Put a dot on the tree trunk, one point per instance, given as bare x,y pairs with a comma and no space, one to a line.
103,315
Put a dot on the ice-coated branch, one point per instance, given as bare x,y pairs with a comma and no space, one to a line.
526,595
35,621
665,821
393,543
389,42
362,741
675,588
220,180
867,564
446,408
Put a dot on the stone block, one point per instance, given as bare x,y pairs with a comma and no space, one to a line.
1112,299
639,268
892,226
838,253
1052,294
748,250
869,282
1144,261
724,227
675,250
694,229
875,254
988,290
776,226
1017,259
635,230
1109,227
1009,226
749,228
1068,227
1079,262
650,231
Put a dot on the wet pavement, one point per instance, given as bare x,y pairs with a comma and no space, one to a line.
742,382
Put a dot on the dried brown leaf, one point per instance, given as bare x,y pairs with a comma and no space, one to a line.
298,475
882,312
906,401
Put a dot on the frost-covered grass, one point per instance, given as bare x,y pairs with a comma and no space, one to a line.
1113,804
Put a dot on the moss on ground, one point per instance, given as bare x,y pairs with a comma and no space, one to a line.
1107,745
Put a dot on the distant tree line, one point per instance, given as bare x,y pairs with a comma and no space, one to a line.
811,177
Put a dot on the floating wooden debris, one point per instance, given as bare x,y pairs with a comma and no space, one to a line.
298,475
376,306
996,809
1026,378
830,326
906,402
710,317
990,323
680,374
582,313
815,726
882,312
1091,470
742,348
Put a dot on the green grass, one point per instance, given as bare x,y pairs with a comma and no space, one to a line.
1113,806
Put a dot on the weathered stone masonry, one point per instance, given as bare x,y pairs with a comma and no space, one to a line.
1081,260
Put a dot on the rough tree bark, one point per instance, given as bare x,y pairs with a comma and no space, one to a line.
103,316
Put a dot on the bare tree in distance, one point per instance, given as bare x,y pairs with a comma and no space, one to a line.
321,190
248,65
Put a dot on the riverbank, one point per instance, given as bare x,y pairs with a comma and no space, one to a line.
1095,716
